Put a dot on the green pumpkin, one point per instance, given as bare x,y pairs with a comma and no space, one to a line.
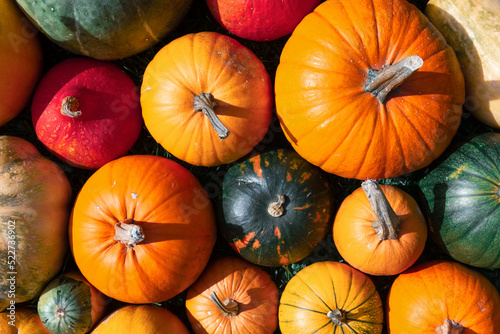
276,208
107,30
460,198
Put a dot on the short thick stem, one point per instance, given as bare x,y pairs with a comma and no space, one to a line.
337,317
128,233
387,223
60,312
276,209
381,83
206,104
450,327
229,307
69,107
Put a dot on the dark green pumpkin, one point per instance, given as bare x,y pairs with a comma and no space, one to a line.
111,29
69,304
261,228
461,201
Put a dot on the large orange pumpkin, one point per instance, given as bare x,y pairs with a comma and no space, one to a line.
20,60
379,229
206,99
443,297
142,229
368,89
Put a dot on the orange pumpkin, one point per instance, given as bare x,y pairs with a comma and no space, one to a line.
233,296
142,229
443,297
379,230
21,60
368,89
206,99
21,320
141,319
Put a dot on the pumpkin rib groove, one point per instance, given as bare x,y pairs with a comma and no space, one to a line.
428,115
416,128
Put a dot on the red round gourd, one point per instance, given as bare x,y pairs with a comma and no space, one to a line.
87,112
260,20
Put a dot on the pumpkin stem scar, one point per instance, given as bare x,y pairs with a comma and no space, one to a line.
69,107
230,307
380,83
276,209
387,223
337,317
206,104
128,233
450,327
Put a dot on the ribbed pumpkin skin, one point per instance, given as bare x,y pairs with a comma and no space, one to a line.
471,28
110,120
143,319
330,119
250,187
322,287
176,217
106,30
36,196
32,324
211,63
424,296
69,304
357,241
20,60
247,284
16,317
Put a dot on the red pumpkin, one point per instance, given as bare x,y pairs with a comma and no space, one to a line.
87,112
261,20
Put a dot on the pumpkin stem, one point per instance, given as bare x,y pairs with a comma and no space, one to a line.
69,107
450,327
206,104
380,83
337,317
276,209
387,223
60,312
230,307
128,233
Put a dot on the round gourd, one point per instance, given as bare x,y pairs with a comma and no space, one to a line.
206,99
142,229
233,296
70,305
20,60
471,28
442,297
87,112
330,297
460,196
34,212
143,319
368,89
276,207
106,30
11,319
261,20
379,230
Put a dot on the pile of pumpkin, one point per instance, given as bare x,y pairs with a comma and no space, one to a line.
371,91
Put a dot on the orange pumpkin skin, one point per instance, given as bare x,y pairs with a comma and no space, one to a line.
246,284
171,209
210,63
21,60
331,120
143,319
10,320
423,297
358,243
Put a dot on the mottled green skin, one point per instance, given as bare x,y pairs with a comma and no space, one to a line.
461,201
248,189
111,29
71,295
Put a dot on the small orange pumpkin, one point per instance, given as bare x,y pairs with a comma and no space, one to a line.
21,320
379,229
233,296
206,99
